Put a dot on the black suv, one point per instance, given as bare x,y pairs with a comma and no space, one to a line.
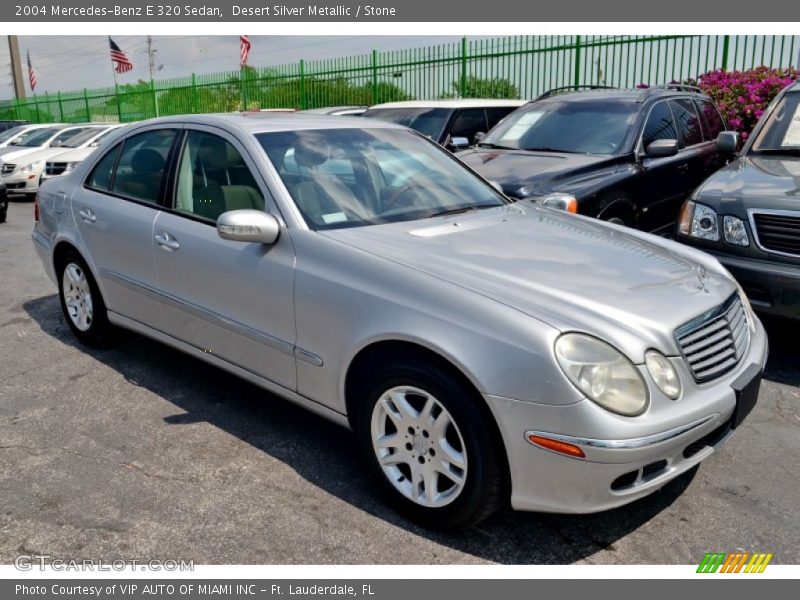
627,156
3,202
748,214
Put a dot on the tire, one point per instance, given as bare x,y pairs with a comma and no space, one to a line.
464,461
3,215
81,301
618,214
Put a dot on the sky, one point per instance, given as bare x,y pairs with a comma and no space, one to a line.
73,62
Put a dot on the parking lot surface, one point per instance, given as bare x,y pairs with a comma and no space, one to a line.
138,451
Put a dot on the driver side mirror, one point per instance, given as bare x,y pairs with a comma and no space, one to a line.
727,141
248,225
14,141
661,148
478,137
457,143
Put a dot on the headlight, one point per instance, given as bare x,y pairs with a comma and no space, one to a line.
558,200
734,231
699,221
30,168
602,373
663,373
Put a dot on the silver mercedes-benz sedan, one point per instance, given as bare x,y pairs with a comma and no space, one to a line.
483,351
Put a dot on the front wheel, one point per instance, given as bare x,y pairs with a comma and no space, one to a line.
432,445
81,301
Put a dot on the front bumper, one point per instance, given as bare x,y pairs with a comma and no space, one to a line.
616,470
17,183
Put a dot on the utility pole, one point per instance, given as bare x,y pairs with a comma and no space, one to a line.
154,66
16,67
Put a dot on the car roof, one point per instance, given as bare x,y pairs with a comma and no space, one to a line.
264,122
326,110
622,95
458,103
794,87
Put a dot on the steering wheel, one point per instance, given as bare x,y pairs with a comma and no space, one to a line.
399,194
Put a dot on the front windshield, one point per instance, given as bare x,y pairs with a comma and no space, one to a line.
593,127
352,177
79,138
11,133
36,137
428,121
781,132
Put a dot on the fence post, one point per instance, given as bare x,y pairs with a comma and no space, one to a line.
60,107
36,102
195,98
119,102
86,103
155,96
577,60
726,41
303,99
375,77
463,77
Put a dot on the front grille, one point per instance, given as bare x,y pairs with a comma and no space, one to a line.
8,168
714,343
55,168
778,232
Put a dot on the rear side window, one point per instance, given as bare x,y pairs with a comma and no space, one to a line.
714,122
688,121
100,178
142,165
659,126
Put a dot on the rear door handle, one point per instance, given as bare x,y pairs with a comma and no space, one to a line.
87,215
166,241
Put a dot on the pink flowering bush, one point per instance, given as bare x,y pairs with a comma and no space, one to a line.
742,96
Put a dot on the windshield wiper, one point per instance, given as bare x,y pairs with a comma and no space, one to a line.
462,209
496,146
546,149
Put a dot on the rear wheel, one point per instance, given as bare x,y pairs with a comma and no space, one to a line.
81,301
427,440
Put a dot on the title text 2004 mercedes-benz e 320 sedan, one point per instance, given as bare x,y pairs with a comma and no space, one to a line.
481,350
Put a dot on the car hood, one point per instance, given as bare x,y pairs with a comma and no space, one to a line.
762,182
571,272
14,153
73,155
521,172
40,154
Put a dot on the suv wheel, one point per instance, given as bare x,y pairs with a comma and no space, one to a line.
435,452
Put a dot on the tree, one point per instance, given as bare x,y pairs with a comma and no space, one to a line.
477,87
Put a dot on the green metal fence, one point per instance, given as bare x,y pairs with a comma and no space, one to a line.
517,66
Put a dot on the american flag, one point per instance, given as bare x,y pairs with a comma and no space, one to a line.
244,50
31,74
118,58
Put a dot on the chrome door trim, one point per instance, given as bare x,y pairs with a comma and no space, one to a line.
231,325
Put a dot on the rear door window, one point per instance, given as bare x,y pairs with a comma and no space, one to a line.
103,172
142,165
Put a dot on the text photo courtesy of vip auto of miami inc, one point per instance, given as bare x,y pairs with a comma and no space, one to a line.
399,300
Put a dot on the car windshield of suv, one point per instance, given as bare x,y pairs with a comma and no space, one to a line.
36,137
592,127
781,132
11,133
428,121
352,177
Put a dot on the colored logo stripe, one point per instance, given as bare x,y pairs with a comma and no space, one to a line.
734,563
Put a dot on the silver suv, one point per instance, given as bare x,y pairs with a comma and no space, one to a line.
482,350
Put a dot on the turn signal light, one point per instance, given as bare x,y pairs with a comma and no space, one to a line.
556,446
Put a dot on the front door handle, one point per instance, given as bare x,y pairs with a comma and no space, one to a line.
87,215
166,241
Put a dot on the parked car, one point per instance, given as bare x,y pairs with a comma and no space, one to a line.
22,165
748,214
451,123
626,156
79,149
481,349
3,202
339,111
11,124
13,135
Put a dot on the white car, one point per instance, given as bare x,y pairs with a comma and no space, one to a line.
64,162
22,165
9,136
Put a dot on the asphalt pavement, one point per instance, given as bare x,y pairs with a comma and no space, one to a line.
138,451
